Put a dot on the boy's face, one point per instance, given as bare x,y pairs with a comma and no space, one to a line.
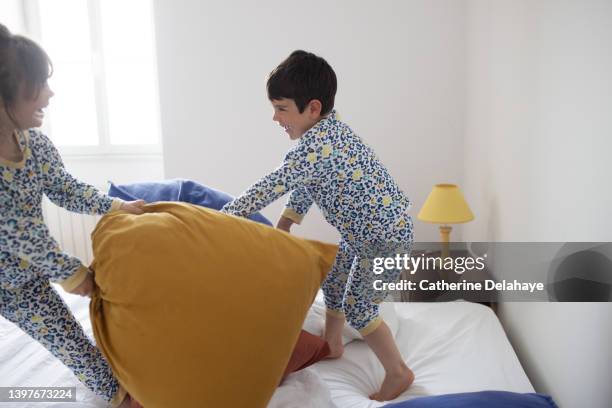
287,115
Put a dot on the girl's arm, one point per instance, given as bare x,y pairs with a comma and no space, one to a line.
28,239
65,190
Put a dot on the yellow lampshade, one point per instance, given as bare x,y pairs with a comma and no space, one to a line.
445,205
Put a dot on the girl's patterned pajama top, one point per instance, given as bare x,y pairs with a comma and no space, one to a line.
27,249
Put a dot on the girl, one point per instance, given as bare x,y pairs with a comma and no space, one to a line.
30,166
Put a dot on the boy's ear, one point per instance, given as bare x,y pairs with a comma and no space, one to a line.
314,107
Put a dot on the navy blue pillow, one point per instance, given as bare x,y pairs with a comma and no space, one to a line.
187,191
482,399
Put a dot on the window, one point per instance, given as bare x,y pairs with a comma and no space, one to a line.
11,15
105,74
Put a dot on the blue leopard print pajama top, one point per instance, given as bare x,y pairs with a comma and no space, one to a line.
30,258
332,167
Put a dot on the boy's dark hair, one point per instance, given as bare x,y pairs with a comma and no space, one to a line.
303,77
22,61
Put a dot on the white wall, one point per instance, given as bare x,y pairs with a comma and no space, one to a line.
98,170
401,70
510,99
538,128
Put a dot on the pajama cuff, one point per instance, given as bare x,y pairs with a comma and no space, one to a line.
119,397
292,215
70,283
373,325
116,204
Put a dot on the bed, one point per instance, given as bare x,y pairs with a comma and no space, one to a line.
452,347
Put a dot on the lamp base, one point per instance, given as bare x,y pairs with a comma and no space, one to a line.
445,231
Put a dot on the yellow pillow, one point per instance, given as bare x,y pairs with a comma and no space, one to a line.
195,308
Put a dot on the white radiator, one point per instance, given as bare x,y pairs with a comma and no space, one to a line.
72,231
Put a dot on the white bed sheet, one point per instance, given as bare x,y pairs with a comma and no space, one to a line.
452,347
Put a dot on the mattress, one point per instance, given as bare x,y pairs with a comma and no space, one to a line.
452,347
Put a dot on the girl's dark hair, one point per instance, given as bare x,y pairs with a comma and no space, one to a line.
22,62
303,77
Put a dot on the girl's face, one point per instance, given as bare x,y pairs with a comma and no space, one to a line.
28,112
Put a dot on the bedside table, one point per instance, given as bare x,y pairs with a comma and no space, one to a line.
434,275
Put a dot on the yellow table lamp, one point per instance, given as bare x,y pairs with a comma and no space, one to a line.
445,205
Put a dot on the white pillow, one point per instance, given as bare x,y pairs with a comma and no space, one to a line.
315,320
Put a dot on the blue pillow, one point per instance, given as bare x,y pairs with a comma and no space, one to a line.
482,399
187,191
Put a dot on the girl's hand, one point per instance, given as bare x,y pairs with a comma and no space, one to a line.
86,287
284,224
133,207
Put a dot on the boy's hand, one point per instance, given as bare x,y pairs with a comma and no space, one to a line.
133,207
284,224
86,287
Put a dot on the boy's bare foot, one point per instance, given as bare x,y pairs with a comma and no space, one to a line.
394,384
336,349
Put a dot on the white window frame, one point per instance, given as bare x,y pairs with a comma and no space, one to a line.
104,148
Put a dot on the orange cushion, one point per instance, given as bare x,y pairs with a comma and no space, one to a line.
194,308
308,350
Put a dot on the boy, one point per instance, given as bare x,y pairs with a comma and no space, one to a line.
332,167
